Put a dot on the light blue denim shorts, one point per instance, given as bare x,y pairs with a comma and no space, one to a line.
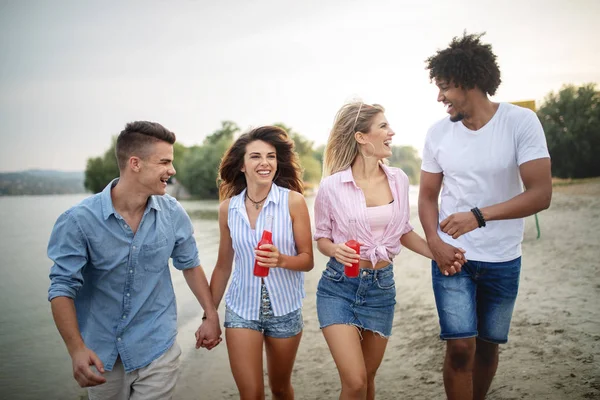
366,301
478,301
268,324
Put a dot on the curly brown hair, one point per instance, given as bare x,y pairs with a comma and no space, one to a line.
231,179
467,63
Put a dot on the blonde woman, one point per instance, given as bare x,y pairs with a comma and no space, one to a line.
362,199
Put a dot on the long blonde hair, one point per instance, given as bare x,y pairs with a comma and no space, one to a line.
342,148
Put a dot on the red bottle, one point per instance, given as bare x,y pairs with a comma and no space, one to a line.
352,271
267,238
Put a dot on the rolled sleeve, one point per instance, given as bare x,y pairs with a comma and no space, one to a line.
185,252
68,250
322,215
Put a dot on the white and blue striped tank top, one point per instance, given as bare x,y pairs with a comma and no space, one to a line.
285,287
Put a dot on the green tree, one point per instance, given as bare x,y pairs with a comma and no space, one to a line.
200,165
407,159
571,121
225,133
99,171
311,167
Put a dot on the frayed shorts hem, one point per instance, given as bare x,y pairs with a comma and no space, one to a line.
358,327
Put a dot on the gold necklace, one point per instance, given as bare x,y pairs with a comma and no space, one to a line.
257,204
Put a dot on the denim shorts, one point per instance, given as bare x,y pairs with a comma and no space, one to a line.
478,301
268,324
366,301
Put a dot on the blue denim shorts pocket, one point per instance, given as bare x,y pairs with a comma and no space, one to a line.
385,281
333,273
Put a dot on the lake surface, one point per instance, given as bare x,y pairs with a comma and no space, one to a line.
35,363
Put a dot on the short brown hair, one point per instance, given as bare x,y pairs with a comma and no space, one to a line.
135,138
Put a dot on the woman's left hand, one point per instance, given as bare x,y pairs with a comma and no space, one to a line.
267,256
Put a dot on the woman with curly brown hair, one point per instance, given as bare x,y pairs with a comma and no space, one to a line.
260,181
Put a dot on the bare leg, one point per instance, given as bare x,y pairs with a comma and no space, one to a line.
345,346
373,348
281,354
486,363
458,368
245,358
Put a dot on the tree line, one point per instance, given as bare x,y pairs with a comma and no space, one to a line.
197,166
571,121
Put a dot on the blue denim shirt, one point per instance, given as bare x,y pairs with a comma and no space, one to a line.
120,282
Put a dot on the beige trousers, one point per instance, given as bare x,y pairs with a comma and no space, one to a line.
156,381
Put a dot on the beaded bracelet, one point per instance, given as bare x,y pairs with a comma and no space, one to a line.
479,216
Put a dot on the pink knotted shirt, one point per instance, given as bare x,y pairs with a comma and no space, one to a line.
340,200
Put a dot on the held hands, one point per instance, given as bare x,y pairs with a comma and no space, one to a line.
267,255
458,224
345,255
83,374
449,259
208,334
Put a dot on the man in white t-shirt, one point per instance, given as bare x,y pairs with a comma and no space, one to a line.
483,154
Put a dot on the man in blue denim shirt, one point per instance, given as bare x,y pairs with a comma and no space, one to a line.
111,292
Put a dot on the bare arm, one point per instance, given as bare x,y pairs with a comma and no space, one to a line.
209,333
222,271
445,255
303,260
412,241
429,191
537,178
65,318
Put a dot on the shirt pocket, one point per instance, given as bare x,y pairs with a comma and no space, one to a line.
154,257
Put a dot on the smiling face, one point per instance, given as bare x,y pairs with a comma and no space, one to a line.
260,162
379,136
454,98
156,168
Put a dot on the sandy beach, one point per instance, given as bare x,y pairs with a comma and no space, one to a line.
554,344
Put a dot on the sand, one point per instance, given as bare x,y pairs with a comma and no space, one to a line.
554,344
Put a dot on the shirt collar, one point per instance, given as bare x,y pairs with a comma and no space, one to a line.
346,175
107,205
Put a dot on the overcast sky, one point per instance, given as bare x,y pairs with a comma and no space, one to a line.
72,73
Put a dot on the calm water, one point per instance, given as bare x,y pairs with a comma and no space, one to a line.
35,363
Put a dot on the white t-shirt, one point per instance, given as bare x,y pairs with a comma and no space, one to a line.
481,168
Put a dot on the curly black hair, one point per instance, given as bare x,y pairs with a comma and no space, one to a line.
468,63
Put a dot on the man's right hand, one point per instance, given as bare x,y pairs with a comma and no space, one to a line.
83,374
449,259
